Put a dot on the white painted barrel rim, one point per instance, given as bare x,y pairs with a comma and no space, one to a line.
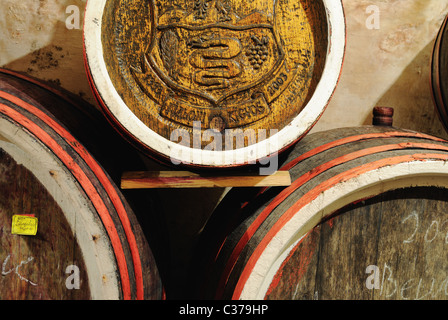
430,173
298,127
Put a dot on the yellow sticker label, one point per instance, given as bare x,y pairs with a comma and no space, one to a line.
24,225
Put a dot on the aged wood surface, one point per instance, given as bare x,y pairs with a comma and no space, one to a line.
439,77
256,227
185,179
43,123
401,235
210,64
34,267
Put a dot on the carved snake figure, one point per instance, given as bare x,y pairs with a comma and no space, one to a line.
215,58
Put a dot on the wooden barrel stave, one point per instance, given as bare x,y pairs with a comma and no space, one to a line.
22,193
257,225
60,190
27,106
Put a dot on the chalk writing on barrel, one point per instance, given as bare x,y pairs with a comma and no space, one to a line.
16,269
416,288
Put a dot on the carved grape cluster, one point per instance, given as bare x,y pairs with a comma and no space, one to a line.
258,52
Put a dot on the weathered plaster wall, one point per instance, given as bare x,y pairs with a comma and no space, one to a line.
36,40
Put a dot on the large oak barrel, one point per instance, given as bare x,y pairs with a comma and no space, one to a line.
364,218
439,73
214,83
89,243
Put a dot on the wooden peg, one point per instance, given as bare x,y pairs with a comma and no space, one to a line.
383,116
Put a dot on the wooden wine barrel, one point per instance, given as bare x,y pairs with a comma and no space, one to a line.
89,243
214,83
439,73
364,218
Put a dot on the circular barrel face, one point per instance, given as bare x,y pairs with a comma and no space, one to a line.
48,265
214,82
361,199
392,246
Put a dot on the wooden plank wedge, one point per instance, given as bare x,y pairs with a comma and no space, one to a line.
186,179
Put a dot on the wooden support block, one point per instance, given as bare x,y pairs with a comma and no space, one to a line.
185,179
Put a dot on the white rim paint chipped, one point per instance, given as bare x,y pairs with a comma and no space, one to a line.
98,255
285,137
409,174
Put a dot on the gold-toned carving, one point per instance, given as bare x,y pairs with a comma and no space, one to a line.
225,63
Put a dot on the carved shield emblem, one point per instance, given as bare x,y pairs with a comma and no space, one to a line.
228,64
212,58
213,53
